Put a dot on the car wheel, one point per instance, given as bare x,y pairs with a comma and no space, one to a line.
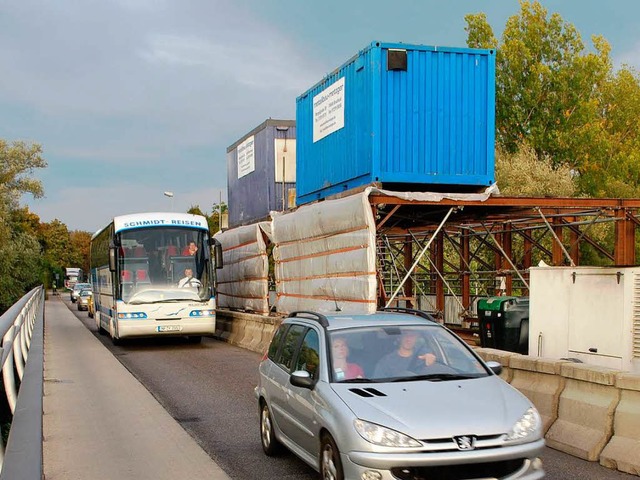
270,444
330,463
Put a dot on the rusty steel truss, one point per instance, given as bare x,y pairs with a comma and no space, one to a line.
469,249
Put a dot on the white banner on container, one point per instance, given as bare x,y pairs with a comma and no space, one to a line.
246,157
328,110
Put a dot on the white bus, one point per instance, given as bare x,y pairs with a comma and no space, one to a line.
153,274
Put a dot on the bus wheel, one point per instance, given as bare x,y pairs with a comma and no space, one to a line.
112,333
194,339
101,330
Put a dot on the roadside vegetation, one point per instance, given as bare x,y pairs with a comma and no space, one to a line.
566,125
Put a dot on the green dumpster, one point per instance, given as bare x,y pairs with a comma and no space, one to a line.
504,323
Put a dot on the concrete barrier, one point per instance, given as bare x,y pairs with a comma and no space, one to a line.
585,412
623,450
500,356
246,330
540,381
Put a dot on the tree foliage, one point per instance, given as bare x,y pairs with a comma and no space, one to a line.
564,102
20,259
217,210
523,173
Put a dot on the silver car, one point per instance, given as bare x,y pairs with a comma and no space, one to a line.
77,288
392,395
83,299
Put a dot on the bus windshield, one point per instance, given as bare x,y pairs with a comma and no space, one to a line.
164,265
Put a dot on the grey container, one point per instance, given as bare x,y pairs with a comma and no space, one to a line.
255,171
409,117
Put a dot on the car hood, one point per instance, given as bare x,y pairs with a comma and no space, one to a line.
438,409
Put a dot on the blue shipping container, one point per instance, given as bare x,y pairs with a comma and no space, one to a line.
408,117
255,172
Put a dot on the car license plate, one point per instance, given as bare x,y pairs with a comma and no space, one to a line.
168,328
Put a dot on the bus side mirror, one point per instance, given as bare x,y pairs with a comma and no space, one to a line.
216,248
112,259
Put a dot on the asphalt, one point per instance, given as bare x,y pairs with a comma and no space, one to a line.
99,422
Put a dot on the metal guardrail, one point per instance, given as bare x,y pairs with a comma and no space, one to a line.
22,331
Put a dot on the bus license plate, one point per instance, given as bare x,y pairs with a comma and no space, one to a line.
169,328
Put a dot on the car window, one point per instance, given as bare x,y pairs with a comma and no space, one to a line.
289,346
309,356
275,342
390,353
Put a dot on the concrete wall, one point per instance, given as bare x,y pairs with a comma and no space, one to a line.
587,411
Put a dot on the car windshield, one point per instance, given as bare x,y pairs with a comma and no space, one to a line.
81,286
401,353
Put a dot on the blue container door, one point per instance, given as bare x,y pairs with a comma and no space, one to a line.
437,123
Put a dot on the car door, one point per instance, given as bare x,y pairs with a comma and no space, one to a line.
301,400
279,388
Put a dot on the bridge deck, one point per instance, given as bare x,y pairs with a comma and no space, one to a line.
99,421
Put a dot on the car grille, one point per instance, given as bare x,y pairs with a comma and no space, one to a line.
460,472
449,444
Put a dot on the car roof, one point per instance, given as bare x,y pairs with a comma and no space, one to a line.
377,319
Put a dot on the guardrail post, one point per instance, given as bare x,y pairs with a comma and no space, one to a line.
8,376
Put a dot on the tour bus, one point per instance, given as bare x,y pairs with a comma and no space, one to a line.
72,276
153,274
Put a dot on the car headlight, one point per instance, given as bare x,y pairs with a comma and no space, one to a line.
383,436
529,424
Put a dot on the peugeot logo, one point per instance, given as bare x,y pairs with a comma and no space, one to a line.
465,442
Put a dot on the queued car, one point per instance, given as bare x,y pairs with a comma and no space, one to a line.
91,311
84,297
77,288
392,395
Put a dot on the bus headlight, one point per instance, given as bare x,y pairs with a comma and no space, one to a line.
202,313
130,315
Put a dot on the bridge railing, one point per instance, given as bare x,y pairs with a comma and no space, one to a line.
22,332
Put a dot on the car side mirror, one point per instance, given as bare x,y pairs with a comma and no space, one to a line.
302,379
495,367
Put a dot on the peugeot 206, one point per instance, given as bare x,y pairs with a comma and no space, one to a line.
392,395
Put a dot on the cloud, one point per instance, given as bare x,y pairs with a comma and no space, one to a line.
133,97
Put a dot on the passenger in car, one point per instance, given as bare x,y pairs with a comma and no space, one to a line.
342,369
404,359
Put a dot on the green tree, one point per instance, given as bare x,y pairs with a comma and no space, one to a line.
565,102
56,244
217,210
80,243
21,265
523,173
